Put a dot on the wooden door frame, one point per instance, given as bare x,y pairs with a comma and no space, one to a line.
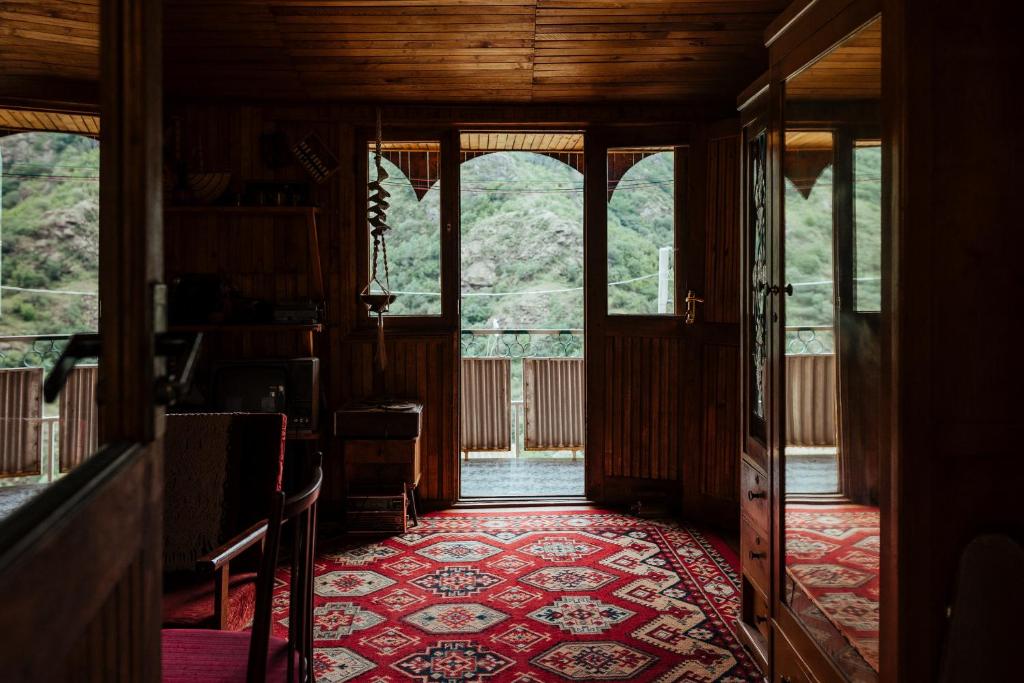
81,564
598,324
802,34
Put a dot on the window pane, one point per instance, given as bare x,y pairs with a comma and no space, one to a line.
641,231
49,281
414,214
867,209
810,311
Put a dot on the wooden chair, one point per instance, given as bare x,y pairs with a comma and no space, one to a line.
211,656
220,469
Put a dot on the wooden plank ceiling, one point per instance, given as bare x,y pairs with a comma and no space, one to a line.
466,50
13,120
852,71
50,39
417,50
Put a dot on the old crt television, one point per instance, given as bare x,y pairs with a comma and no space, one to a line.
274,385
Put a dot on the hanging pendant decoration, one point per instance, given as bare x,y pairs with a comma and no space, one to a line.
377,296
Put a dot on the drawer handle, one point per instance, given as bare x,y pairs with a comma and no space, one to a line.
760,618
754,495
757,556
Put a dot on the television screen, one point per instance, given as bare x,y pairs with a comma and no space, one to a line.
251,388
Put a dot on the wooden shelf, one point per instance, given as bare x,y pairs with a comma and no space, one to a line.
262,327
246,210
309,213
303,436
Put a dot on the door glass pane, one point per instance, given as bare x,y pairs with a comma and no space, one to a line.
831,433
49,232
758,222
641,230
411,267
867,203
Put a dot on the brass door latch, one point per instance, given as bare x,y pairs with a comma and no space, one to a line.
691,307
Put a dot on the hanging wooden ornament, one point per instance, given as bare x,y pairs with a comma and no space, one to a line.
377,296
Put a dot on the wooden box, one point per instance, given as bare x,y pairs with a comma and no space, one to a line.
381,462
376,514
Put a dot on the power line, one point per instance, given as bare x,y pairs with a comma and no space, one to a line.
531,292
33,290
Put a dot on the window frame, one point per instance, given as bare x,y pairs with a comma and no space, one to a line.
449,281
682,139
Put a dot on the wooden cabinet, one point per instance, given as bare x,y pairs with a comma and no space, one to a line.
382,461
788,665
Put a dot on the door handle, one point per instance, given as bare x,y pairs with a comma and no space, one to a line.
691,307
79,347
183,346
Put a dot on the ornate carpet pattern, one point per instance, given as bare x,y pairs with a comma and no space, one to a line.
832,554
528,597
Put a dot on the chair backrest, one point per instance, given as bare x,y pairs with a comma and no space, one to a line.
984,627
300,511
220,470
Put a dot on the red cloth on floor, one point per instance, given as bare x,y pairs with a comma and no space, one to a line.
188,601
205,656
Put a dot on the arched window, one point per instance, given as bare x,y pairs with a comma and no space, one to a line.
49,236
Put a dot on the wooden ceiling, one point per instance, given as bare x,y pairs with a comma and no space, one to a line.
466,50
520,141
50,38
14,120
423,51
852,71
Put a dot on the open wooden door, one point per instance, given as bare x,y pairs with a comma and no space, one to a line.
662,360
80,563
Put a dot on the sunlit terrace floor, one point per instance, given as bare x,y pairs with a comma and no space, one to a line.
522,476
812,470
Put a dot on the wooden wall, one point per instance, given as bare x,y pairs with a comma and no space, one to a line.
422,359
710,473
643,404
957,366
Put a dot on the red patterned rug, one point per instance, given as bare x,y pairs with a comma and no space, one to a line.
832,553
526,597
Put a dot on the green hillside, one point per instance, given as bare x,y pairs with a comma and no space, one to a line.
49,231
522,217
809,242
522,231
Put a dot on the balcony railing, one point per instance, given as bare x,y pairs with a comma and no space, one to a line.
522,389
809,340
481,343
34,351
39,441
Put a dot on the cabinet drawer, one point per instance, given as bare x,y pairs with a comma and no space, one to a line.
789,668
395,461
754,495
754,554
760,617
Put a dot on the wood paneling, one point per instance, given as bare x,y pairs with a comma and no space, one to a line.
718,465
955,381
852,71
643,399
15,120
466,50
101,620
50,38
710,474
722,240
421,368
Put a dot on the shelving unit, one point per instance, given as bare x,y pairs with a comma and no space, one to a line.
309,213
283,217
